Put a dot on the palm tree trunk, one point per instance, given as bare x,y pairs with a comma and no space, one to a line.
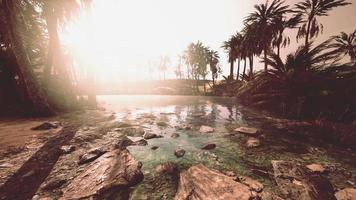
251,64
33,93
265,57
238,69
244,72
231,70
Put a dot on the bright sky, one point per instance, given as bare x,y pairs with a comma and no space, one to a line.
123,38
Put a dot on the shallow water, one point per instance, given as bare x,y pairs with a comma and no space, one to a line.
231,153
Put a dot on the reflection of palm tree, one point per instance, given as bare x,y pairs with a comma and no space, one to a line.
310,10
345,44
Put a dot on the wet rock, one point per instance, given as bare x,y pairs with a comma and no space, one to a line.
67,149
316,168
141,142
133,131
167,168
265,195
163,124
297,183
251,183
209,146
123,143
123,125
175,135
46,126
91,155
247,130
154,147
253,142
149,135
200,182
55,184
179,152
184,127
108,177
346,194
206,129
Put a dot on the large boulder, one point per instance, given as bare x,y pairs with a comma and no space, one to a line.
297,183
200,182
346,194
107,177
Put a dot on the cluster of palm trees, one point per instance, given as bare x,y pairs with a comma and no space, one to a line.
264,29
197,58
29,34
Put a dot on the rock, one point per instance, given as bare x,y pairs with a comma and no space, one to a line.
346,194
247,130
175,135
67,149
295,182
107,177
316,168
149,135
46,126
251,183
206,129
55,184
6,165
209,146
141,142
253,142
230,173
133,141
91,155
154,147
179,152
133,131
167,168
184,127
199,182
264,195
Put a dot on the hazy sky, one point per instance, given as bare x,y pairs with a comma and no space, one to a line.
127,36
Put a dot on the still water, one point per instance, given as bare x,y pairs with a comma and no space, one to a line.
231,152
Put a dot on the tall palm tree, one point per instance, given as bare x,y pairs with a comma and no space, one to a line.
309,11
261,23
345,44
213,59
280,24
230,47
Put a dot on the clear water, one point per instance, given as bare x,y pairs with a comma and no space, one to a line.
231,153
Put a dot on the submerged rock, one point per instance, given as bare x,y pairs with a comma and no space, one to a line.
209,146
163,124
179,152
108,177
149,135
346,194
175,135
167,168
253,142
206,129
184,127
247,130
200,182
297,183
132,141
154,147
91,155
133,131
46,126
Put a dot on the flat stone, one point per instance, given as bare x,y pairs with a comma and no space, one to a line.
253,142
179,152
346,194
251,183
316,168
200,182
206,129
107,177
247,130
91,155
209,146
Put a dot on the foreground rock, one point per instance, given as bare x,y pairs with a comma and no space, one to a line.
316,168
199,182
108,177
91,155
46,126
297,183
253,142
346,194
206,129
209,146
247,130
179,152
149,135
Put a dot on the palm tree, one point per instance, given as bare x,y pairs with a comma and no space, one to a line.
345,44
213,59
280,25
309,11
230,47
261,23
163,65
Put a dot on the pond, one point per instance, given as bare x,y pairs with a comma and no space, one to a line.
164,115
